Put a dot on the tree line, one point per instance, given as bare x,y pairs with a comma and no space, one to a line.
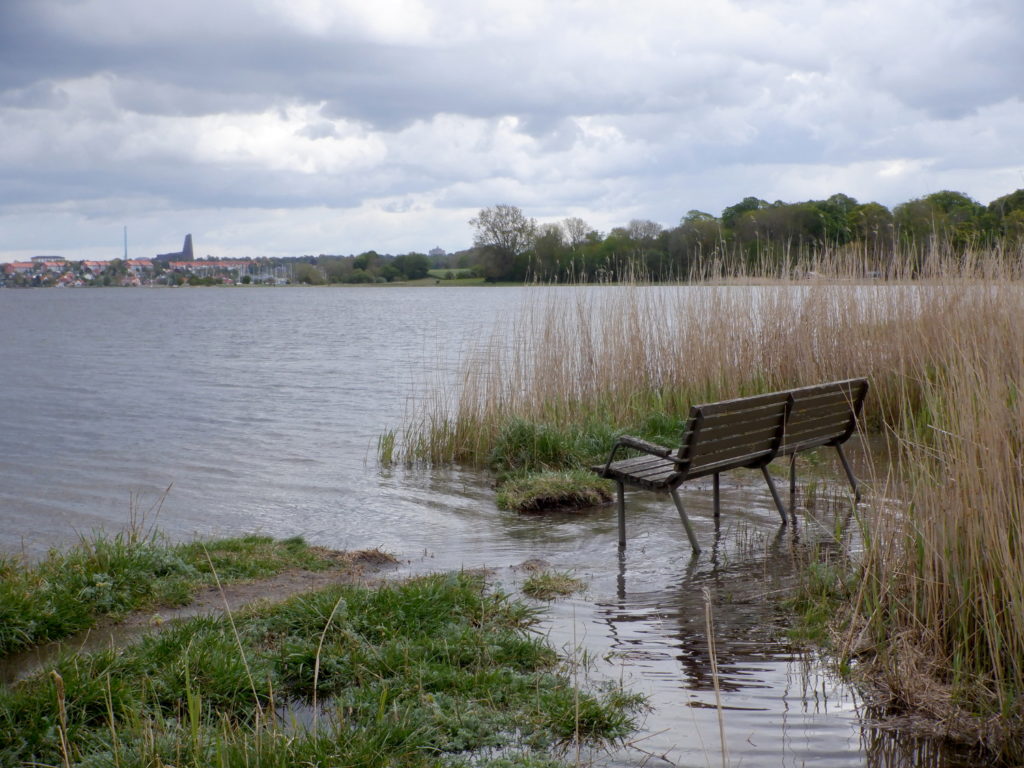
367,267
752,235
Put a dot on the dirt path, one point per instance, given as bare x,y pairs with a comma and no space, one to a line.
357,567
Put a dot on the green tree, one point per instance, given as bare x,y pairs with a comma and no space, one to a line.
575,231
872,225
1012,226
643,230
945,216
335,268
504,235
366,261
390,273
412,266
550,252
359,276
1007,204
835,213
304,272
733,212
696,240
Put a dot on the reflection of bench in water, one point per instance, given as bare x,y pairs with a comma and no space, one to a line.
749,433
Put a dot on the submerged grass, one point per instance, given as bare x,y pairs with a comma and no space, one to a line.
67,591
435,671
935,609
553,490
547,585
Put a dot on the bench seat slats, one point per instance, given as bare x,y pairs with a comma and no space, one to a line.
642,464
649,472
645,467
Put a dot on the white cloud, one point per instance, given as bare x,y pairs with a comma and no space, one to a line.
403,115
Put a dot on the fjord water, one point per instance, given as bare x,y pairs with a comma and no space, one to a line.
259,409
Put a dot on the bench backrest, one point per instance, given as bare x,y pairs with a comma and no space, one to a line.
746,432
825,414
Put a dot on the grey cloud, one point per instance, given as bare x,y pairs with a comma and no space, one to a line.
39,95
158,97
553,133
615,112
385,85
322,130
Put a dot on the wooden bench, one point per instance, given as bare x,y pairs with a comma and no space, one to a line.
823,415
748,432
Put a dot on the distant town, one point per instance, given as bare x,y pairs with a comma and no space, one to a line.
182,268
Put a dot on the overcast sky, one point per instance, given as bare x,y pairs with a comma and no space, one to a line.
290,127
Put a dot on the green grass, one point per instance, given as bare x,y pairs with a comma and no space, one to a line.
821,600
434,671
68,591
567,489
525,446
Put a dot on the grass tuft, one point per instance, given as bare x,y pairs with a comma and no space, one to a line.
547,585
552,490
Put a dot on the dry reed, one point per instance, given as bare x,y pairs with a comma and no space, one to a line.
576,357
943,594
941,606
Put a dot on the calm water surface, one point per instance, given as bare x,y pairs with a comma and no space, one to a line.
260,410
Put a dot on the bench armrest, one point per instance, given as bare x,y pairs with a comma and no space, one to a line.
642,445
636,443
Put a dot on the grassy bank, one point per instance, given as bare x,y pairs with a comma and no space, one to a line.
435,671
936,619
69,590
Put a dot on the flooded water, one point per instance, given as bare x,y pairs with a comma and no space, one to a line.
259,410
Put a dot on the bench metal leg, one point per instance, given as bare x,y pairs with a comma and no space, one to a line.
717,496
792,477
686,521
775,494
622,514
849,473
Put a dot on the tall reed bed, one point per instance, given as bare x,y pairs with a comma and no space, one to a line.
940,608
941,601
587,361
